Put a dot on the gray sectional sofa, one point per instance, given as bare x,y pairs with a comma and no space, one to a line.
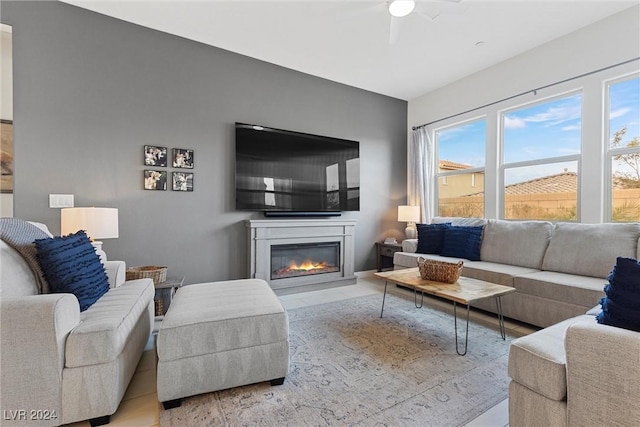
558,269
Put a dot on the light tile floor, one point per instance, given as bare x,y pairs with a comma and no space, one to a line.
140,407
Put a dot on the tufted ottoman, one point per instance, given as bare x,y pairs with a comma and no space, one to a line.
220,335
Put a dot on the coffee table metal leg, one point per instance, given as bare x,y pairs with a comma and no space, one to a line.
384,296
500,317
415,299
466,333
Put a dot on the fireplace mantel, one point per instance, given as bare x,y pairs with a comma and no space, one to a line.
263,234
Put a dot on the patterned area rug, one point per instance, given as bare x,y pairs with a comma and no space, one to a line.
349,367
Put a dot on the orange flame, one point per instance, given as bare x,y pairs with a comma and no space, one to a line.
307,265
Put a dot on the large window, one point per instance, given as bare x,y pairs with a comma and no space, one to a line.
541,152
461,165
624,149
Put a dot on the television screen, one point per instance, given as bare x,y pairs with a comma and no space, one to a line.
292,172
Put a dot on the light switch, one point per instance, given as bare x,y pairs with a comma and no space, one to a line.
60,200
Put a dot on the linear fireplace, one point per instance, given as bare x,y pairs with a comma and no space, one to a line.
297,255
304,259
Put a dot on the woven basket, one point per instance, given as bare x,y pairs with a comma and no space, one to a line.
157,274
439,271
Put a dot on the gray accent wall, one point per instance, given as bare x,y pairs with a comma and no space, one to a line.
90,91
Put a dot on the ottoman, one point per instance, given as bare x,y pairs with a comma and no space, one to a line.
220,335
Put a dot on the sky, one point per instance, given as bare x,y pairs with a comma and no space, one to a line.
539,131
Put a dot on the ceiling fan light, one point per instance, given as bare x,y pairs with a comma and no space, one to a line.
400,8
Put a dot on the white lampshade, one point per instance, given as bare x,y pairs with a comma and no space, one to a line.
99,223
408,213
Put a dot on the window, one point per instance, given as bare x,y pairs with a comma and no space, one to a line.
541,151
461,163
624,149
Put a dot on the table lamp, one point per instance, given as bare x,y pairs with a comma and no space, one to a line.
98,223
410,215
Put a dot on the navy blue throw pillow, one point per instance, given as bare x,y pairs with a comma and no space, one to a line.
431,238
70,265
462,242
620,307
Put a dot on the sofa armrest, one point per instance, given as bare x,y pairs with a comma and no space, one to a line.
116,272
33,333
603,374
410,245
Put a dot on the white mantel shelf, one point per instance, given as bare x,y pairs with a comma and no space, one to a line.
262,234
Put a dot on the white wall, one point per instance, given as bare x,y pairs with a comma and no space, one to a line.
604,43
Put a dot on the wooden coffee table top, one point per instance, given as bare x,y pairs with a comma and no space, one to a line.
465,290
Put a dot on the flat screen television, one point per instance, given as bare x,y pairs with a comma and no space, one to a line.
289,173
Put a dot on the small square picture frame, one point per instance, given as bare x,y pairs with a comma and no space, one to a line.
183,158
155,156
155,180
182,181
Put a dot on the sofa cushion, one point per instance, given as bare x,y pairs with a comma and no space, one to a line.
105,327
590,249
621,306
70,265
459,221
431,238
538,360
501,274
522,243
462,242
569,288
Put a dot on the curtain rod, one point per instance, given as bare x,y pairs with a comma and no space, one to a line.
534,91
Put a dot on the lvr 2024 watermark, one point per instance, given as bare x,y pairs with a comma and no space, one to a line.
29,414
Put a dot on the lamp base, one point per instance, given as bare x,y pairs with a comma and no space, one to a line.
410,231
101,254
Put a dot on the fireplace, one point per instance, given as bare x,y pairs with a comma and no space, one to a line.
298,255
304,259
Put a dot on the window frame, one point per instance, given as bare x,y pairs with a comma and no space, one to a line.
611,152
437,174
503,167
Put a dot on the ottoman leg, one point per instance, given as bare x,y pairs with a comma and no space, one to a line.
277,381
170,404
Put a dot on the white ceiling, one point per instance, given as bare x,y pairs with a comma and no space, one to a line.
349,41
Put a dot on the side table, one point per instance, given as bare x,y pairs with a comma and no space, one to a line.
384,254
164,294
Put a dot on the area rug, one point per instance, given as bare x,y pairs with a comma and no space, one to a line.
350,367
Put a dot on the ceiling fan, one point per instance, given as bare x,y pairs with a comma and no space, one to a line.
399,9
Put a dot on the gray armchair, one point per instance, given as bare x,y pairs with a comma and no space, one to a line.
60,365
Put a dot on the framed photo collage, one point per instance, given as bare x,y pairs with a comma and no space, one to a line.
158,157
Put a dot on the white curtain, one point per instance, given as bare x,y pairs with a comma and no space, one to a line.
421,164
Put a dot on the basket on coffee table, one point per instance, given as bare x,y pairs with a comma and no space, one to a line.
439,271
157,274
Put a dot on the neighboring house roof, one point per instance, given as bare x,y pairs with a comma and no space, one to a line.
565,182
449,165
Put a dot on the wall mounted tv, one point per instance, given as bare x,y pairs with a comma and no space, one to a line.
286,173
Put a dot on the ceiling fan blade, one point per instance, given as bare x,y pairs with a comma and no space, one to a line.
394,29
431,15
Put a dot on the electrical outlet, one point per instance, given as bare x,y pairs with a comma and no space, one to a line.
60,200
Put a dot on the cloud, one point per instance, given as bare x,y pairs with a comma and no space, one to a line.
514,123
551,115
619,112
556,115
571,127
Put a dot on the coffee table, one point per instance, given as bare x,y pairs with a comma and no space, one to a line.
465,291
